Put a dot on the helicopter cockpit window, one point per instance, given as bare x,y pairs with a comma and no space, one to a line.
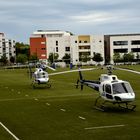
119,88
108,88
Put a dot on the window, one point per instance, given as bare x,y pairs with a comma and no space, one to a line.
84,47
43,48
135,42
108,88
120,50
42,36
135,49
119,88
120,43
67,49
56,43
76,41
56,49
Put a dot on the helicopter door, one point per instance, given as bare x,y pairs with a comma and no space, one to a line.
108,91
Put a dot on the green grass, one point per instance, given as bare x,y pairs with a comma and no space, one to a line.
43,119
133,67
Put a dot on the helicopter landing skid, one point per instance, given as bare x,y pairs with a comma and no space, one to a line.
100,105
35,84
127,106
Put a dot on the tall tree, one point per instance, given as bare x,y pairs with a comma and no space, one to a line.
116,57
21,58
22,48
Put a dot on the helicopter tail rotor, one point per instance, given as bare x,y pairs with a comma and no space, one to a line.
80,79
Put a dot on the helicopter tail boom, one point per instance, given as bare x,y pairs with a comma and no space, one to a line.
92,84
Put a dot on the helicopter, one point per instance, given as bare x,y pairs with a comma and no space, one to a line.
41,77
111,90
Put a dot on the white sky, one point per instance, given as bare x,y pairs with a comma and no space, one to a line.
19,19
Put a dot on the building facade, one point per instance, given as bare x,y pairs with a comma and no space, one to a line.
7,47
42,43
122,43
84,47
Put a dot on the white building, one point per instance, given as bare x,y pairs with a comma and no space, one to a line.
7,47
124,43
86,46
44,42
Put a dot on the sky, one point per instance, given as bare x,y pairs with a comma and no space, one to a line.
20,18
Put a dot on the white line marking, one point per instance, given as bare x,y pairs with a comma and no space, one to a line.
101,127
80,117
48,104
35,99
63,109
49,97
16,138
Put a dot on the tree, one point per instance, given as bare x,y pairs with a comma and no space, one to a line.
12,59
97,57
128,57
84,56
21,58
22,48
4,59
33,57
137,56
116,57
66,58
53,57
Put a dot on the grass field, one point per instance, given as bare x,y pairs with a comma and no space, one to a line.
63,112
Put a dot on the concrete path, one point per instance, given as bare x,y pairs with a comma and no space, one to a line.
133,71
56,73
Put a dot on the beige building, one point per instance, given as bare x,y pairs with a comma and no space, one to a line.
83,47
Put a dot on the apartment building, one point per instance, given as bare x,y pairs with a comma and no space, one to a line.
86,46
7,47
44,42
122,43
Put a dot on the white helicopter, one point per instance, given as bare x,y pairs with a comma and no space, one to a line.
40,77
111,89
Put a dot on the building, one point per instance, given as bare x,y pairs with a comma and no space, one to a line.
44,42
83,48
7,47
121,43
